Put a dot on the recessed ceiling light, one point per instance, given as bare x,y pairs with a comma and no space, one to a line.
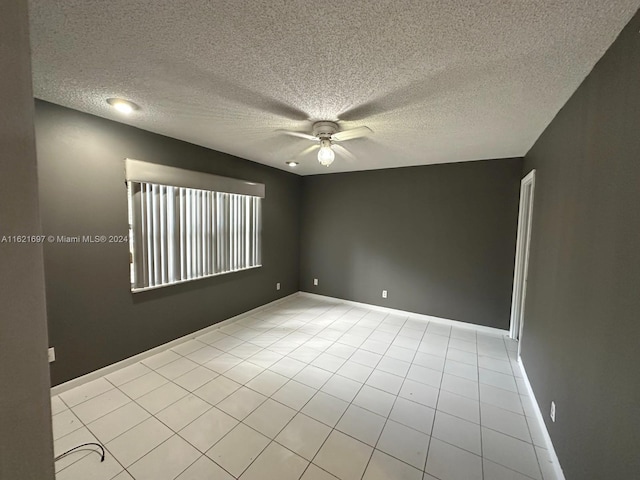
123,106
292,164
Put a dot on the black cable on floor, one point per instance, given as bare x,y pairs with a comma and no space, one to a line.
80,446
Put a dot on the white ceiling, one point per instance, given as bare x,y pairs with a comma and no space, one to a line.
437,81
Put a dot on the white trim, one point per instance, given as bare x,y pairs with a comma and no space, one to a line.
75,382
444,321
162,285
557,468
140,171
521,269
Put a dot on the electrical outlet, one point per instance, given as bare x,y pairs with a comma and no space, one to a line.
553,411
52,354
384,294
278,286
315,281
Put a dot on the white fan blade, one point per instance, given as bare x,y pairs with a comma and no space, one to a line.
345,153
308,150
299,134
351,134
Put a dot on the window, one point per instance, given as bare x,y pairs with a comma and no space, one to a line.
180,233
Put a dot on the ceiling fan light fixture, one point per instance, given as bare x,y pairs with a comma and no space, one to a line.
328,134
326,154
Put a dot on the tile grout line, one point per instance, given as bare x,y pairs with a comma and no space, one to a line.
290,378
299,411
362,383
426,460
337,341
129,429
301,324
219,440
535,451
81,423
394,401
104,446
154,416
350,403
270,440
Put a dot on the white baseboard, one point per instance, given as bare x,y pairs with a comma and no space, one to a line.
557,468
63,387
443,321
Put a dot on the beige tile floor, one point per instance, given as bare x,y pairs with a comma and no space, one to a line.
311,389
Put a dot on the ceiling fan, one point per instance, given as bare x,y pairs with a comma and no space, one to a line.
326,136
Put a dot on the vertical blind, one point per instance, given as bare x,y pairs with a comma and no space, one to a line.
179,234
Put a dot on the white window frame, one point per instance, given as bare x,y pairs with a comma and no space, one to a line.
186,225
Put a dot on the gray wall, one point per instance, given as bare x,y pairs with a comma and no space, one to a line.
582,329
26,445
439,238
94,320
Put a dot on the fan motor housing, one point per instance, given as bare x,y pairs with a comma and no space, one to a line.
324,129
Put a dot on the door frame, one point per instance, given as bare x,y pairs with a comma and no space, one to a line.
523,243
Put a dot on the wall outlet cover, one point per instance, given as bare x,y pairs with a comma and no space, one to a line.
553,411
384,294
315,281
52,354
278,286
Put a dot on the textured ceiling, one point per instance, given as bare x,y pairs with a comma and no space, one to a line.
437,81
